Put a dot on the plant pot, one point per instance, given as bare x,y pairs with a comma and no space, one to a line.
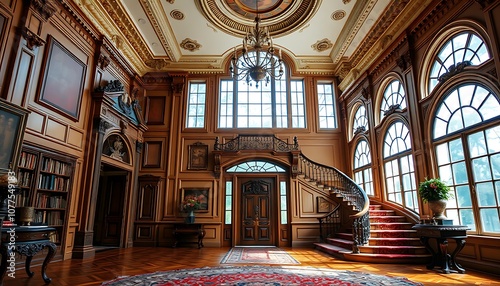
190,217
438,208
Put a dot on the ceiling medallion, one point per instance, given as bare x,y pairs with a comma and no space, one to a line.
190,45
156,64
177,15
282,17
338,15
322,45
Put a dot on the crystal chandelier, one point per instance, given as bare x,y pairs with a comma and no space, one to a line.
257,61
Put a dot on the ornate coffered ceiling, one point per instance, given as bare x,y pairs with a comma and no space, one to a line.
331,37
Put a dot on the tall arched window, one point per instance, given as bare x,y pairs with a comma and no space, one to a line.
394,98
363,167
398,167
463,49
279,104
360,121
466,138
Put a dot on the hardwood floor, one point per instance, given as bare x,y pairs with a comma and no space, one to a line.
110,264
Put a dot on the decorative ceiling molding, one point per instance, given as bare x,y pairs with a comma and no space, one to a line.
294,19
355,21
322,45
397,19
190,45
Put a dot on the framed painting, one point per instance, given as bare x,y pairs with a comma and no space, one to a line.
198,156
63,80
12,124
201,194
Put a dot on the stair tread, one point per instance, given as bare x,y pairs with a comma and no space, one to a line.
394,246
393,238
395,222
391,255
330,246
393,230
339,240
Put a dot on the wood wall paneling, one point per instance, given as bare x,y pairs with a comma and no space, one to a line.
23,76
56,130
153,153
155,110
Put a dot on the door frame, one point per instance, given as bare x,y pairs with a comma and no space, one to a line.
237,200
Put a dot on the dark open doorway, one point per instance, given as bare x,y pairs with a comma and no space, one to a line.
109,217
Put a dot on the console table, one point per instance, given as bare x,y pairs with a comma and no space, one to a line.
441,233
28,241
182,230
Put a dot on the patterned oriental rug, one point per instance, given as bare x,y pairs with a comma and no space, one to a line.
258,255
259,276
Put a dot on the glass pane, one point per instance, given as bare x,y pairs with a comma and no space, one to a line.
445,174
486,195
442,154
493,139
463,197
456,150
490,220
477,144
460,173
467,218
481,169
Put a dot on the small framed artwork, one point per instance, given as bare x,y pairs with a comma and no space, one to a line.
202,195
63,80
323,206
198,156
12,124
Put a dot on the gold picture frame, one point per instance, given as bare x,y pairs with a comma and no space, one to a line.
13,120
198,156
202,193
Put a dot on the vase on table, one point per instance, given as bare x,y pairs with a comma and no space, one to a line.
190,217
438,207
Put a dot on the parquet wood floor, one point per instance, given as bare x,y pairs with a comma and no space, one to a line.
110,264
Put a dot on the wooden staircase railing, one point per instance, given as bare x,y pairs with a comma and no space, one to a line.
329,178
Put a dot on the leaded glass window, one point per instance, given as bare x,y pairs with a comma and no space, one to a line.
362,167
400,183
196,105
394,98
360,123
465,48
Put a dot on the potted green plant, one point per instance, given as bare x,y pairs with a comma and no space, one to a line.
436,193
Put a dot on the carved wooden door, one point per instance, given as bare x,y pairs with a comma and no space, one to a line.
257,213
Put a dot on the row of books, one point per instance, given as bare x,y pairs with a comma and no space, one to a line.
48,217
53,182
22,199
54,166
24,178
27,160
47,201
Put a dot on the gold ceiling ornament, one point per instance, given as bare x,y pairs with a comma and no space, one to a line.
177,15
258,61
156,64
338,15
190,45
223,15
322,45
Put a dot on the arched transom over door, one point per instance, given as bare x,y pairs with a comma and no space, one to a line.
256,213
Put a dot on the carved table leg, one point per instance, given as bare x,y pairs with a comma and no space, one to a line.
27,264
48,258
443,251
460,245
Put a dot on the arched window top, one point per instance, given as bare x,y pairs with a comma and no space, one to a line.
362,155
464,106
397,139
256,167
360,120
394,98
465,48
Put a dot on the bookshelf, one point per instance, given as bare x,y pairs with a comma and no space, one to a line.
45,180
